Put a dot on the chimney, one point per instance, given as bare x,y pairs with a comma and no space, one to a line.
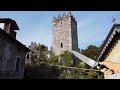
9,26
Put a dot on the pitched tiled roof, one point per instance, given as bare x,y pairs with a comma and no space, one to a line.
109,38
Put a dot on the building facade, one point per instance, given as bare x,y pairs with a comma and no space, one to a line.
64,34
110,49
12,52
36,52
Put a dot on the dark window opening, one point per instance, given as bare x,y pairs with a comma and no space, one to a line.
28,56
61,45
61,24
37,48
17,64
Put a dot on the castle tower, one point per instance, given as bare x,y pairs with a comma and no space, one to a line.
64,34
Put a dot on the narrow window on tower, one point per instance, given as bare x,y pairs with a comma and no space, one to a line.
61,45
61,24
2,25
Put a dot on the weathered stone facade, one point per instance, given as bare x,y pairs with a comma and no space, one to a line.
36,52
12,55
64,34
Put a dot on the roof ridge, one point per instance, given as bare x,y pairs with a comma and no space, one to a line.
107,41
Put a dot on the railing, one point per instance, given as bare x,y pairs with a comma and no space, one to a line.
69,67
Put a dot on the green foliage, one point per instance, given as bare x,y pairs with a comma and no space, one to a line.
53,59
66,58
42,47
41,59
91,51
38,54
46,71
41,71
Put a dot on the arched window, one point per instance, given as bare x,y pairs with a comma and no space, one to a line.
61,24
61,45
28,56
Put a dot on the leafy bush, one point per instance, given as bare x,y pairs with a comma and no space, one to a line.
44,70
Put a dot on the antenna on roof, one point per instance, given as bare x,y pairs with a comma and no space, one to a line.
114,19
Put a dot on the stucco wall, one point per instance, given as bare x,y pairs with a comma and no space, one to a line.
114,52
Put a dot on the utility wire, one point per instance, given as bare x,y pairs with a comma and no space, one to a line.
70,67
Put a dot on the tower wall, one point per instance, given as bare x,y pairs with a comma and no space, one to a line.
64,34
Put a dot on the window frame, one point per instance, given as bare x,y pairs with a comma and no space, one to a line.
61,24
16,64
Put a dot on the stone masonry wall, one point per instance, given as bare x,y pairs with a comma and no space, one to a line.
64,31
9,50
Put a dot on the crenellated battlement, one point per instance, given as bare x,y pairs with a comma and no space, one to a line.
60,17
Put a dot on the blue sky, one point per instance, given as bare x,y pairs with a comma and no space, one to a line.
93,26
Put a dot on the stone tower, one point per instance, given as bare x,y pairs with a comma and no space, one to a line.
64,34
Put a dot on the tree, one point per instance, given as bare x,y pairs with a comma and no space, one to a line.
39,54
46,71
53,59
66,58
91,51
